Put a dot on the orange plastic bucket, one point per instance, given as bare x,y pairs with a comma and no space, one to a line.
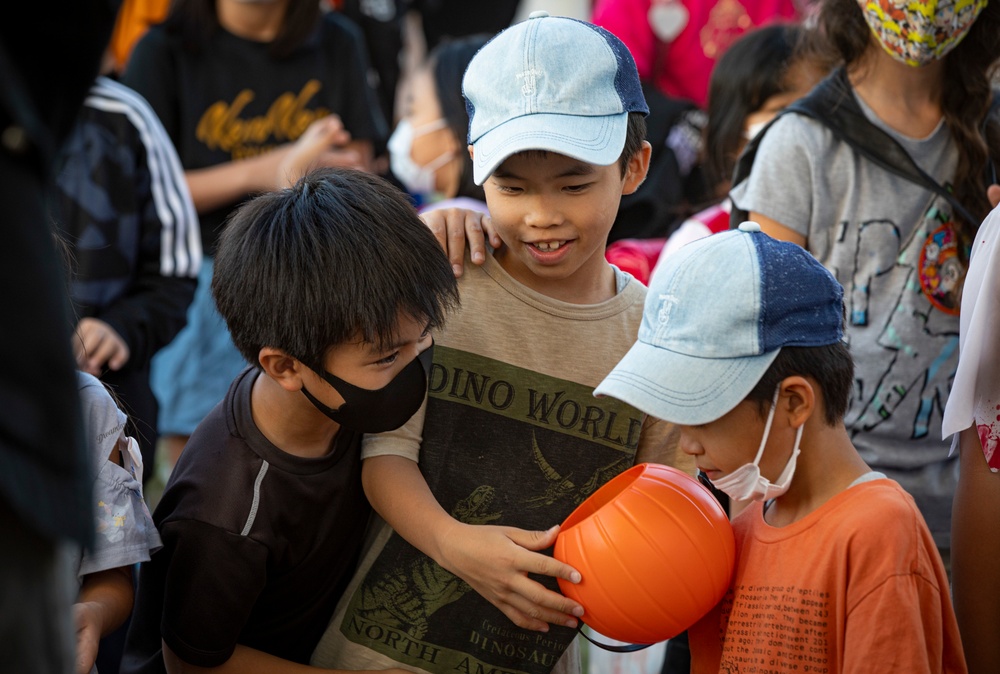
655,551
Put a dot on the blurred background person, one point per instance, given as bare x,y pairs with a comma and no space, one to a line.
252,95
44,486
428,149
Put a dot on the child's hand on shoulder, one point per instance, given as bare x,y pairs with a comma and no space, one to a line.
495,561
454,228
993,194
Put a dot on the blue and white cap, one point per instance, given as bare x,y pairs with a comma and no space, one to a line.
550,83
717,313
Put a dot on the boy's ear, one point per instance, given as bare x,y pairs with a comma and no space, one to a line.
638,167
798,399
281,367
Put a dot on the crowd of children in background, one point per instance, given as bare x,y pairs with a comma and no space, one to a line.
239,188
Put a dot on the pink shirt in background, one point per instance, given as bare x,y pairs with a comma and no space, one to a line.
675,43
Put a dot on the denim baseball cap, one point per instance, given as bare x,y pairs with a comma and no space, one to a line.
717,313
550,83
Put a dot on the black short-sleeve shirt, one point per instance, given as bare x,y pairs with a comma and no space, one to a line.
258,544
231,99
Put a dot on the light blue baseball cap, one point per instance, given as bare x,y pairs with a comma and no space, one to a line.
550,83
717,313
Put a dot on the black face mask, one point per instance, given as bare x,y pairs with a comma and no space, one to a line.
385,409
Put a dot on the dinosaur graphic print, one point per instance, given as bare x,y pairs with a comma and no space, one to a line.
501,446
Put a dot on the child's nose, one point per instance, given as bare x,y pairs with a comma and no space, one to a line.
689,445
543,214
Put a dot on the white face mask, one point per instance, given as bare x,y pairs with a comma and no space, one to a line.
746,482
418,180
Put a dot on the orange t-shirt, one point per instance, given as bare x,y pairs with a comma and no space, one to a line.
855,586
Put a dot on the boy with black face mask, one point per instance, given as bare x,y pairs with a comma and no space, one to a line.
329,290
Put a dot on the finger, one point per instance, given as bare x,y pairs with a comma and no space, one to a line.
476,238
522,619
336,135
100,354
334,120
491,232
341,159
324,125
524,604
438,228
455,222
530,596
533,540
993,194
119,357
91,340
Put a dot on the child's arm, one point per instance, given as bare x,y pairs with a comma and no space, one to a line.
247,660
456,227
104,603
975,551
494,560
776,229
324,143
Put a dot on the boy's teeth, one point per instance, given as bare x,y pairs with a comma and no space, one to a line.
548,245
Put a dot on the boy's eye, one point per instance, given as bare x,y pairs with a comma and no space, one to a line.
577,188
388,360
506,189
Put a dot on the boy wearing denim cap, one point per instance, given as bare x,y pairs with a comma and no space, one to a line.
741,346
511,439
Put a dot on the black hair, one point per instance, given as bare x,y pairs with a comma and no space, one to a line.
965,96
447,63
196,21
335,257
634,137
68,270
751,70
831,367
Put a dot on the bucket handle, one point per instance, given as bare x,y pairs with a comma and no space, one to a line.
625,648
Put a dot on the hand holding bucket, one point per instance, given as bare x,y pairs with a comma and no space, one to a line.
655,550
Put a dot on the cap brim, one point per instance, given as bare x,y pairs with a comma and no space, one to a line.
595,140
680,388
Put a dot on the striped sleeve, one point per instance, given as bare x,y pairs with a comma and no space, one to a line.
180,237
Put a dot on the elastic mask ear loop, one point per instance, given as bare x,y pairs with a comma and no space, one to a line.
429,127
767,426
631,648
445,157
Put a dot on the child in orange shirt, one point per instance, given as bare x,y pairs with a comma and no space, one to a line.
742,346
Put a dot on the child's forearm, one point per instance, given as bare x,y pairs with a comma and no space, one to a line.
108,596
494,560
399,493
227,183
975,548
